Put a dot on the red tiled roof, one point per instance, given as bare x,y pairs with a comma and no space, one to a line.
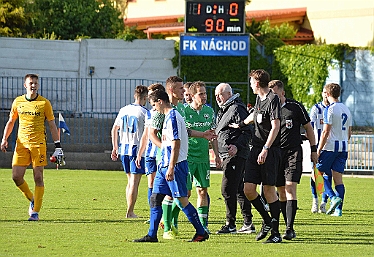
290,14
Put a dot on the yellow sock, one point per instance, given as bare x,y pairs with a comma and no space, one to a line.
24,188
38,198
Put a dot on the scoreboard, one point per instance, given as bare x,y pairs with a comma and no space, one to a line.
215,17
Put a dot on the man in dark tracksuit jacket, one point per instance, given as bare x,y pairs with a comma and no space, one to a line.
233,148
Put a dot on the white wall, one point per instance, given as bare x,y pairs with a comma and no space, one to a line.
152,8
145,59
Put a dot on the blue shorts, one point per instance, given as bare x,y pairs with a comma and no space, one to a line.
129,165
150,165
176,188
328,161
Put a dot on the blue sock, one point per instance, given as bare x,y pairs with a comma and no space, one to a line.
156,214
328,187
325,197
313,188
340,191
149,195
193,217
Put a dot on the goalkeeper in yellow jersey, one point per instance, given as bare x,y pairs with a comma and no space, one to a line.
32,110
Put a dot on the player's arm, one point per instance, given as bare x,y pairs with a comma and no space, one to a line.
208,134
143,145
249,118
153,137
324,135
243,123
175,148
53,129
114,134
7,131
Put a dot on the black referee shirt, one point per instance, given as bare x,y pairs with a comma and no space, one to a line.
293,116
264,112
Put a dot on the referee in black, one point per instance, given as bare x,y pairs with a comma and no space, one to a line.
293,117
263,162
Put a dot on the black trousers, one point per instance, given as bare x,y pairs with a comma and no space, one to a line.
232,190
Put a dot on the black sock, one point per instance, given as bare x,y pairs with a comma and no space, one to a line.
258,204
275,213
291,213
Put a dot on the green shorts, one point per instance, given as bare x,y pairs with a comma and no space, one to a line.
198,174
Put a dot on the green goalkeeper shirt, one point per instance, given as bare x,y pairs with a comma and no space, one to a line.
200,120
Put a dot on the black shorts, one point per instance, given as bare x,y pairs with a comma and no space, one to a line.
291,166
265,173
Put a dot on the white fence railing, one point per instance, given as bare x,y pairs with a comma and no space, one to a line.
360,153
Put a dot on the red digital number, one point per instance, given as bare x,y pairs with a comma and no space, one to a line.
233,10
209,25
220,25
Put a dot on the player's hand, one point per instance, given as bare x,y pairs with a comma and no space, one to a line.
314,157
114,155
318,152
210,134
262,157
218,162
58,157
234,125
4,145
232,150
169,176
138,161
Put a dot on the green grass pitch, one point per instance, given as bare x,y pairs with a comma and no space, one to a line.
84,215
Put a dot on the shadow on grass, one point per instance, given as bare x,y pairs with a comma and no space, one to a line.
335,240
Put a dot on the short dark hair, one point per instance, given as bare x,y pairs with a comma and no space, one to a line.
195,85
261,76
172,80
31,75
277,83
156,86
333,89
187,85
141,91
159,95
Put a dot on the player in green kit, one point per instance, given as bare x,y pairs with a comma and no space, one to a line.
200,117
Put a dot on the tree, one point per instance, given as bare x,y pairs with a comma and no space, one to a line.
12,18
71,19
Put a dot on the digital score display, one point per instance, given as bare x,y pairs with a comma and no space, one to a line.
215,17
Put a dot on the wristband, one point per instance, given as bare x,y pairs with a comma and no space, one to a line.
313,148
57,144
189,132
242,124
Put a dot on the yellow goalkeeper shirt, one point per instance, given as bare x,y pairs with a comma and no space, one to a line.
32,115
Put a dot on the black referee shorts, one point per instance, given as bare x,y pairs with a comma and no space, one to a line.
265,173
291,166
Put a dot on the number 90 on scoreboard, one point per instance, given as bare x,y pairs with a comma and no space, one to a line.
215,17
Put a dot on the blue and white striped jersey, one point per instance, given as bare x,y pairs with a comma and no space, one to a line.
340,119
151,150
174,128
316,119
131,120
